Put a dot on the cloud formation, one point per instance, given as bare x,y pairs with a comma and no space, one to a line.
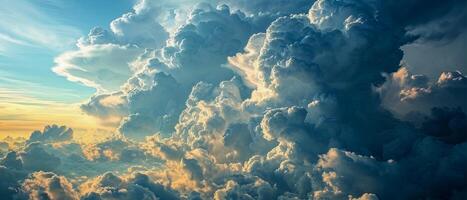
405,93
103,58
48,185
314,105
52,133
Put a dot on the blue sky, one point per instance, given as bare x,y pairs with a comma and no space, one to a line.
33,33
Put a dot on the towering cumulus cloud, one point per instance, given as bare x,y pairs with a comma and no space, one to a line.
103,58
257,100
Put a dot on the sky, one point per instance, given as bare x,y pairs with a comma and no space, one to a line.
32,34
233,99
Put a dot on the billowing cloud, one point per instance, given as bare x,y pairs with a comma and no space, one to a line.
52,133
184,65
135,186
103,57
109,108
276,7
10,182
35,158
405,93
12,161
48,185
113,149
316,106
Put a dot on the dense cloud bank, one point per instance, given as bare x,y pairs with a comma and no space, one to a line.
256,100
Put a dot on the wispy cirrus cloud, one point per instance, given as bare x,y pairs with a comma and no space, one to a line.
26,23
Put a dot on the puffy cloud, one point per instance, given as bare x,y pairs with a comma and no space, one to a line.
114,149
4,146
103,57
312,78
184,64
213,121
53,133
345,173
366,196
405,93
9,182
326,61
250,188
301,57
109,108
46,185
77,160
153,110
140,27
36,158
136,186
303,121
12,143
12,161
275,7
261,13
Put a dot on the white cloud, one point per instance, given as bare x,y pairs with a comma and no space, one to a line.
311,127
104,67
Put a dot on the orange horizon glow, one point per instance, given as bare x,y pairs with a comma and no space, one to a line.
20,117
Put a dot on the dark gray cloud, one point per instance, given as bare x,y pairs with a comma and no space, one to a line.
12,161
10,182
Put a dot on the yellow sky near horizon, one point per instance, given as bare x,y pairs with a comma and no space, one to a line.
19,116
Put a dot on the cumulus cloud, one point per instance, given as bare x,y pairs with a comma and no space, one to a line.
53,133
272,7
114,149
312,78
48,185
103,57
155,109
12,161
4,147
36,158
405,93
316,106
9,182
181,65
135,186
109,108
